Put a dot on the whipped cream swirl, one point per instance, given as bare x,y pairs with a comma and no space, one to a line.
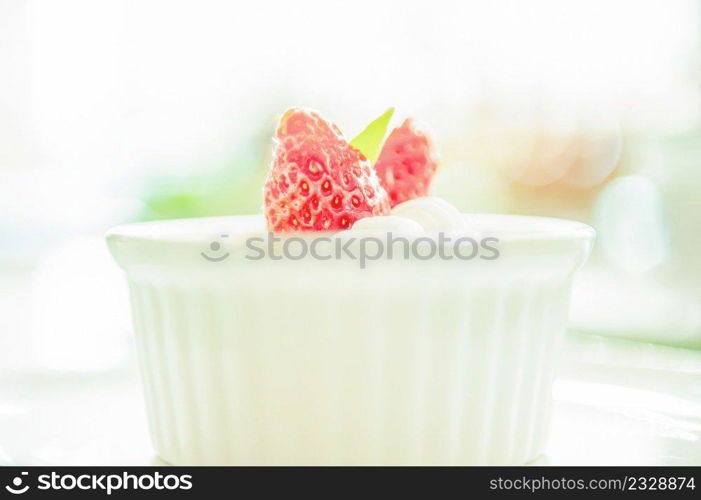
420,215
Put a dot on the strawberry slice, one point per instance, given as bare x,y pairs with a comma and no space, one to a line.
317,181
406,164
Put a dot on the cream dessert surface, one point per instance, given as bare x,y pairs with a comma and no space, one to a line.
420,216
539,243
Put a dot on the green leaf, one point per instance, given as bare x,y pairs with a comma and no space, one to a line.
370,140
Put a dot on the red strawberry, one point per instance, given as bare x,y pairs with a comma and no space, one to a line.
406,164
318,182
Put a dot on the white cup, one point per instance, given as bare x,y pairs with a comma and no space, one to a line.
313,361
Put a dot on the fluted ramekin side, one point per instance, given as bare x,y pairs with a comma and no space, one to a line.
456,375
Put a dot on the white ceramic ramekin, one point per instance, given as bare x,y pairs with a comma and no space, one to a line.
320,362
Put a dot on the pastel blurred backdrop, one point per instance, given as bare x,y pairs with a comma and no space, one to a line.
116,111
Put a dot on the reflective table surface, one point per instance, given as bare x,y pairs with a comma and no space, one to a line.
616,403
